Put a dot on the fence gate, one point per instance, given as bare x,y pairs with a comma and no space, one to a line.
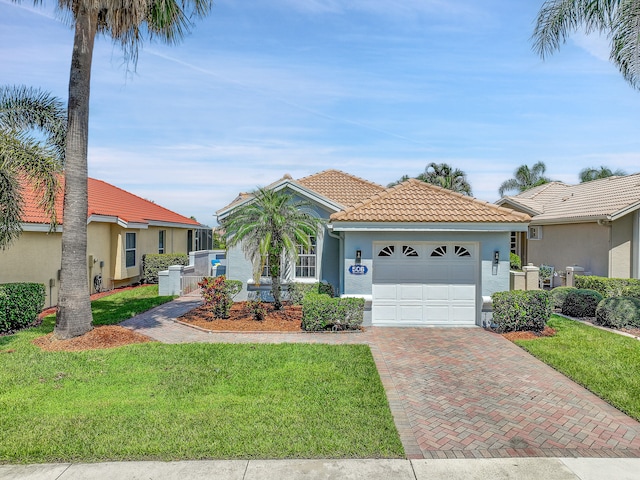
189,284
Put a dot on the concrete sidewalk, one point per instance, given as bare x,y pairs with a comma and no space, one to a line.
463,469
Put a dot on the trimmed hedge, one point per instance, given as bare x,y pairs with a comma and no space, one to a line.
20,304
605,286
581,302
322,312
152,263
631,291
517,310
559,295
297,290
618,312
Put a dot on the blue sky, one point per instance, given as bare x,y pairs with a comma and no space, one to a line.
378,89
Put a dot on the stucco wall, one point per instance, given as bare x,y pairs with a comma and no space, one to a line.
34,257
582,244
621,256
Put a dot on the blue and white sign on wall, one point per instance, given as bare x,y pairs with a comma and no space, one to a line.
358,269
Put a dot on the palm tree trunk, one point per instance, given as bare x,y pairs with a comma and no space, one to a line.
73,317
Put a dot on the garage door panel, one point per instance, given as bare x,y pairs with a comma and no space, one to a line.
385,292
437,314
386,314
461,273
410,292
464,314
410,313
462,292
436,292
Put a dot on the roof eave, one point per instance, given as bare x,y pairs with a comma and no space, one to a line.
350,226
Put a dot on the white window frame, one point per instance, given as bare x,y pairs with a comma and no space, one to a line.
534,232
128,249
308,256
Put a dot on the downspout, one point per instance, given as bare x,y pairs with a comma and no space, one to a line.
341,255
607,223
635,245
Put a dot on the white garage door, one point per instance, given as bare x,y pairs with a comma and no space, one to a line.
424,284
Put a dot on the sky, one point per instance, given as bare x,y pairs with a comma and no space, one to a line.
378,89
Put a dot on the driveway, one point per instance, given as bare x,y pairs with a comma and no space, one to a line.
457,392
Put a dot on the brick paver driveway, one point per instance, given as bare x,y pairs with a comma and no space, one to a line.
459,392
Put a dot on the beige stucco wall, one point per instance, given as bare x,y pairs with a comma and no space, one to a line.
583,244
621,256
36,256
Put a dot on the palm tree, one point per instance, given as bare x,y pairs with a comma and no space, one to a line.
445,176
402,179
618,19
125,22
589,173
525,178
22,157
270,225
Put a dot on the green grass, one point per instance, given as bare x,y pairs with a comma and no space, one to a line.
606,363
115,308
191,401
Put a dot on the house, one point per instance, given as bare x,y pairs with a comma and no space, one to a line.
122,227
594,225
421,255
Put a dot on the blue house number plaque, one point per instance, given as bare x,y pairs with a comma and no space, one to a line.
358,269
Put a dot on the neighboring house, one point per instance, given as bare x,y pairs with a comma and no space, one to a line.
420,254
122,227
594,225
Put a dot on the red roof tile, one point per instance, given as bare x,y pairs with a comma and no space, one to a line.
107,200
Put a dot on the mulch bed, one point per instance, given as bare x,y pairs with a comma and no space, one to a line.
288,319
107,336
529,335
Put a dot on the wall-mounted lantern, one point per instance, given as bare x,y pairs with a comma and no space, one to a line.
358,256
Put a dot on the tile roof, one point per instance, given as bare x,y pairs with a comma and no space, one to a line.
341,187
416,201
607,198
108,200
536,198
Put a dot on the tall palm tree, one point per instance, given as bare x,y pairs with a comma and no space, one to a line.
445,176
271,225
402,179
525,178
590,173
22,157
618,19
126,22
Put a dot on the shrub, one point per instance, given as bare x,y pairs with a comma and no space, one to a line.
619,312
521,310
581,302
631,291
297,290
152,263
514,262
218,292
605,286
256,309
558,296
20,304
321,312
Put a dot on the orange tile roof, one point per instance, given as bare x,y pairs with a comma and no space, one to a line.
341,187
107,200
416,201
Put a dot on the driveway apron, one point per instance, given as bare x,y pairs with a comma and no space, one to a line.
457,392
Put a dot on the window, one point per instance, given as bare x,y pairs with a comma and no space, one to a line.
440,251
409,251
460,251
130,250
306,264
387,251
161,238
535,232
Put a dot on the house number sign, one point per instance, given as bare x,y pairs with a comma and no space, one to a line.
358,269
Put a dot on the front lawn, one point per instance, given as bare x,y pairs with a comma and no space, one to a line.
606,363
190,401
113,309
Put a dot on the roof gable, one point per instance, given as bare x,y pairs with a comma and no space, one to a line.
420,202
341,187
106,200
606,198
